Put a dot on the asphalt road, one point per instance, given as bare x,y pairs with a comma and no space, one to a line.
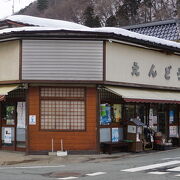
162,165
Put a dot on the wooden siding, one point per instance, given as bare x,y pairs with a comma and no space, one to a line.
62,60
40,140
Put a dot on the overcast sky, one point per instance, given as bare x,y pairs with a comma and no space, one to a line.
6,6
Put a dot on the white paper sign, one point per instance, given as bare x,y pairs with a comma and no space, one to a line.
173,131
32,119
21,114
131,129
7,135
138,137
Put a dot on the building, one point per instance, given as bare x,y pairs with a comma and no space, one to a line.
168,29
58,84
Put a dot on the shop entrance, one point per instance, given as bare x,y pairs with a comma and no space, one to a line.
12,126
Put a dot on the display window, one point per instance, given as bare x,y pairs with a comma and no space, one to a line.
141,113
110,113
129,111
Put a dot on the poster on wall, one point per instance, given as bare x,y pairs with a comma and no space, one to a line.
7,135
117,108
151,117
32,119
105,114
173,131
150,113
154,120
21,114
10,115
171,116
115,134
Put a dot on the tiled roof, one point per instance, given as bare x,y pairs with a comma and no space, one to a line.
169,29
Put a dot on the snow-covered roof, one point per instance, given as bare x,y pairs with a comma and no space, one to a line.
127,33
168,29
44,22
73,27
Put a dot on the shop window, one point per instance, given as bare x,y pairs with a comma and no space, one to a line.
173,114
110,113
141,112
117,112
63,108
129,111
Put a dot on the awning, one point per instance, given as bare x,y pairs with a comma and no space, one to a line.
4,89
147,96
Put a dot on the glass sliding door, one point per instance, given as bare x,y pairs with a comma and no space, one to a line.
13,129
8,126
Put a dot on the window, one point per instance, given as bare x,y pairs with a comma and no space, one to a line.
129,111
63,108
141,112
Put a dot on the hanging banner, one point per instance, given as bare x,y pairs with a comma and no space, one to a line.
7,135
21,114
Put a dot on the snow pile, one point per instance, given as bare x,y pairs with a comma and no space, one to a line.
43,24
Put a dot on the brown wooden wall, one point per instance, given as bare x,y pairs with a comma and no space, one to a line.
40,140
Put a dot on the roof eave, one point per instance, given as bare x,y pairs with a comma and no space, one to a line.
69,34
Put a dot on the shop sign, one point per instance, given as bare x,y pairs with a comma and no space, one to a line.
153,72
131,129
32,119
7,135
127,64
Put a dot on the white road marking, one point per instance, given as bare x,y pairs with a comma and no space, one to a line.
30,167
171,158
66,178
174,169
158,173
142,168
177,175
96,174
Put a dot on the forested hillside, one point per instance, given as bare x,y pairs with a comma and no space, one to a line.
95,13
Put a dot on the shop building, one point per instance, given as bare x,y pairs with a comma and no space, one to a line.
82,86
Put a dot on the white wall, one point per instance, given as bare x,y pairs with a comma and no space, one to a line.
120,59
9,60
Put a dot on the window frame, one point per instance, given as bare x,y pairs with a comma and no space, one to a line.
82,99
